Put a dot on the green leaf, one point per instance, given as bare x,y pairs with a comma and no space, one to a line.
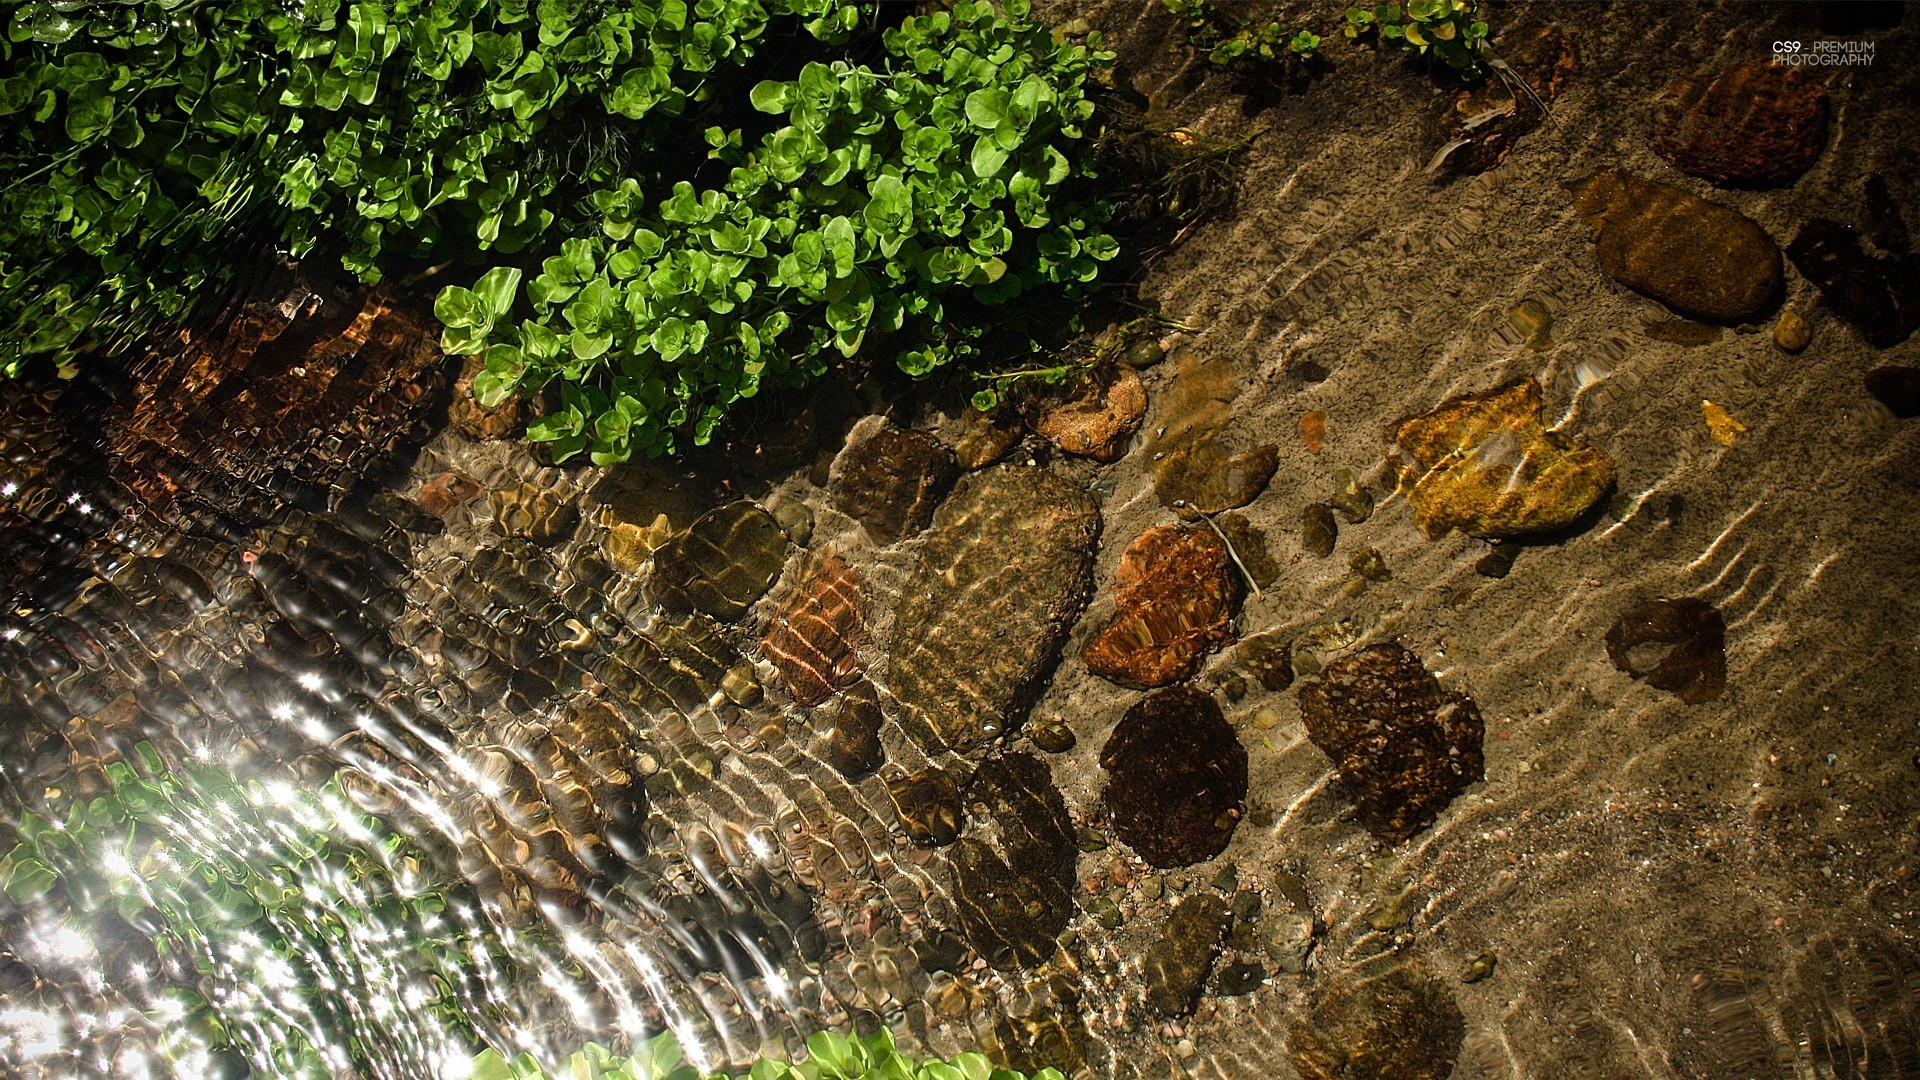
988,157
497,289
987,107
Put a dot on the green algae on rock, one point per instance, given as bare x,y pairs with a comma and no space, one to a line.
1403,745
1483,463
1175,593
724,562
1401,1025
1697,257
1001,576
1176,778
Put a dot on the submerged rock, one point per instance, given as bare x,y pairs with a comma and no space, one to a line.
1193,473
1878,293
1318,530
1896,386
849,727
726,560
929,806
1176,778
1402,1025
1250,543
1012,895
1484,464
1175,593
1403,745
1791,331
1176,965
474,420
1752,123
1675,645
1001,577
535,513
985,437
441,494
815,631
1100,416
1697,257
1267,657
891,480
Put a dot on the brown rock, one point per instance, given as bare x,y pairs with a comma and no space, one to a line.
929,806
1753,123
1400,1025
722,563
475,421
1484,123
1675,645
812,638
1175,594
1791,332
1176,966
985,437
1269,658
1176,778
1897,386
891,480
1250,543
441,494
1402,744
1483,463
533,513
1192,472
1099,417
849,729
1697,257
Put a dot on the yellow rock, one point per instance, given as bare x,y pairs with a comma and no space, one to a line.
1721,423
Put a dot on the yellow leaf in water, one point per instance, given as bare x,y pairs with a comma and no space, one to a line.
1721,423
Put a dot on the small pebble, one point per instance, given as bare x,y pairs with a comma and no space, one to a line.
1351,497
1152,886
1246,905
1143,354
1091,840
1791,331
1318,530
1242,978
1497,561
1369,564
1105,912
1482,965
1054,737
1234,687
1228,879
796,520
1266,719
1305,664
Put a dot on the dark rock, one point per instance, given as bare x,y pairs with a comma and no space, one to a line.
1098,416
1012,895
1318,529
1897,387
1369,564
1404,746
1054,736
1242,978
1683,332
814,634
1176,778
1484,123
475,421
1351,497
850,725
1697,257
1250,543
1498,561
1877,293
441,494
891,480
533,513
1675,645
722,563
1401,1025
1268,658
1175,593
1001,577
1176,966
1753,123
1483,463
929,806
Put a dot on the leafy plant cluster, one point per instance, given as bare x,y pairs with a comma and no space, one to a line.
882,196
259,889
150,144
829,1057
1208,30
1448,29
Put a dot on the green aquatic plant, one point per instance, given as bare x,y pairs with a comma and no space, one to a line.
1448,29
829,1057
260,889
1209,31
151,146
882,196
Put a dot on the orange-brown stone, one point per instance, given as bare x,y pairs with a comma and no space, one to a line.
1175,593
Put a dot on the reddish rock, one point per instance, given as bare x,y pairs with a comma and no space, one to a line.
441,494
1753,123
474,420
1175,594
815,632
891,480
1100,416
1404,746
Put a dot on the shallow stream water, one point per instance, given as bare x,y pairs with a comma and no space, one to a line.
659,736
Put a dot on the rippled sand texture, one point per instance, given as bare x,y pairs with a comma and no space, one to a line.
719,748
